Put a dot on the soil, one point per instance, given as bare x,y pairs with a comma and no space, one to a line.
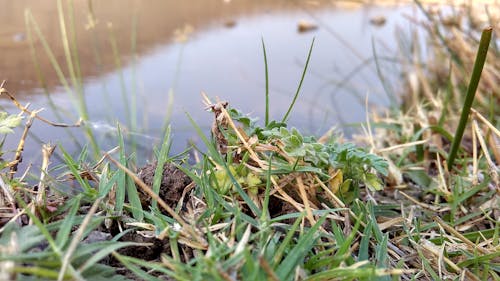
147,253
172,188
278,207
173,184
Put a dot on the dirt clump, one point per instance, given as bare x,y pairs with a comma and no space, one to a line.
173,183
151,252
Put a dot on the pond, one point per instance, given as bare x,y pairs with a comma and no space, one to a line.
144,61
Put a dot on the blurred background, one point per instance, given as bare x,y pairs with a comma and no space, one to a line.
143,64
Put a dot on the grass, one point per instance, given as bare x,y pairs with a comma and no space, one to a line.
267,202
484,44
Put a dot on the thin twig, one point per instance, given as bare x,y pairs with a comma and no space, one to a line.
404,145
430,248
303,195
47,151
24,109
458,235
421,204
268,269
475,178
20,147
492,169
485,121
40,200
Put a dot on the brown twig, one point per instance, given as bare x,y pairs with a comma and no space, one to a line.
27,111
492,169
20,147
40,200
268,269
47,150
305,200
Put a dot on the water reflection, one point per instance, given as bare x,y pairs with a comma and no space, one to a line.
222,57
147,23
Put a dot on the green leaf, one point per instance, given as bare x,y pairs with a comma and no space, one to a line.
420,177
7,122
373,182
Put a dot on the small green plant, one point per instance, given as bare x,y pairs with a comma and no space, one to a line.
309,155
9,122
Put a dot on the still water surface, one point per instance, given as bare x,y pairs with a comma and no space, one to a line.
220,54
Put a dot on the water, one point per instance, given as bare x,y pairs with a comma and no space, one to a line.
221,57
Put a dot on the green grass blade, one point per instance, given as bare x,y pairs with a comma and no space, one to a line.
38,271
251,204
129,264
57,110
74,169
105,183
363,253
471,92
161,160
345,243
120,188
134,200
297,254
42,228
78,102
286,241
126,185
218,158
75,52
285,118
354,272
267,82
381,254
210,146
64,232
